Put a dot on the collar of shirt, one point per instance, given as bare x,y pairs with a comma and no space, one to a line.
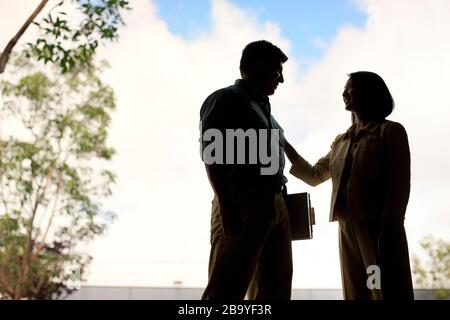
251,90
370,127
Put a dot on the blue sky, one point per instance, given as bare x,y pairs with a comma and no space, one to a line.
301,21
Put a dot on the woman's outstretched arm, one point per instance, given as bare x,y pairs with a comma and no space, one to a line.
303,170
291,153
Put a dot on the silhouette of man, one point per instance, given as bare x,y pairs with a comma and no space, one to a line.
250,236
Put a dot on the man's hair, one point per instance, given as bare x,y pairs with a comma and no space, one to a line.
372,95
259,54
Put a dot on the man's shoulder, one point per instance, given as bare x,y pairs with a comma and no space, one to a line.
224,97
229,92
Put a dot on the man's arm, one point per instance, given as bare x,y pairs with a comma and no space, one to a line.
216,176
229,211
215,115
291,153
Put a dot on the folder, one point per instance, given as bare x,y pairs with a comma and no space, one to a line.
301,215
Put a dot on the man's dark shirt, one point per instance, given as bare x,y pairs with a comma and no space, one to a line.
240,107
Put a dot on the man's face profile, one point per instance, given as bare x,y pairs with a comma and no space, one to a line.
271,76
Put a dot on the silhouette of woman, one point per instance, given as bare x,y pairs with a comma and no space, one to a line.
369,166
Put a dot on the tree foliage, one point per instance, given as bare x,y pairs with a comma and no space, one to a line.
435,273
69,40
51,177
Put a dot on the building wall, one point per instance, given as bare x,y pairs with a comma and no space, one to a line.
150,293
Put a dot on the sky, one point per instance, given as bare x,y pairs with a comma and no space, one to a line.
309,25
172,55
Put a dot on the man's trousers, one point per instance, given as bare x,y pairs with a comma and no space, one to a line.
258,263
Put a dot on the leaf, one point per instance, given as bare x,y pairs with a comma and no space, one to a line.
76,185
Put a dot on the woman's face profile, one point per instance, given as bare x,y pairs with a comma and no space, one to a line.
349,96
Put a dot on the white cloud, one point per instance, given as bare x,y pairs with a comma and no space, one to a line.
319,43
161,80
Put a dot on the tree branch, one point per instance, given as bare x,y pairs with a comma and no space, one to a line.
8,49
2,193
7,285
28,254
42,242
